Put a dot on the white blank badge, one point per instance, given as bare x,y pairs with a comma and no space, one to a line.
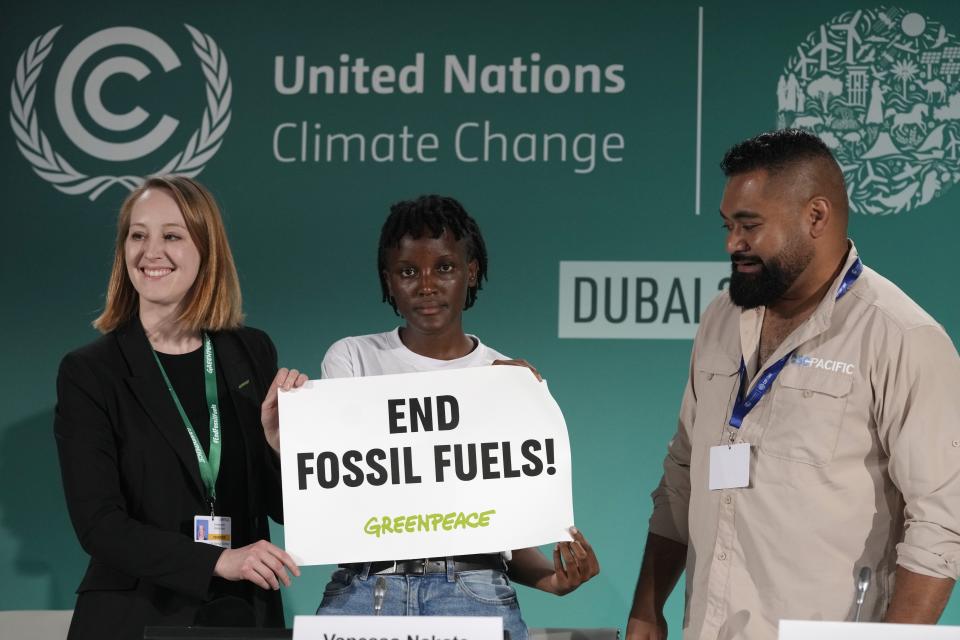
730,466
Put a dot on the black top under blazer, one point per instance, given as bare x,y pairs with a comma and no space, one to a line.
132,482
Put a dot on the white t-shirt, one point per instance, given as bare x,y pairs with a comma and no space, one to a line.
383,353
379,354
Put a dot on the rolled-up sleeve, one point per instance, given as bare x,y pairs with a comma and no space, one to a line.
919,423
671,498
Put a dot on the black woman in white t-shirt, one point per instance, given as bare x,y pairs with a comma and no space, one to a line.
432,261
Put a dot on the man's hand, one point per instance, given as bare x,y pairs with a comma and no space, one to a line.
663,562
643,630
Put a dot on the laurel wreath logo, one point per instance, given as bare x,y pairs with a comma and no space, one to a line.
52,167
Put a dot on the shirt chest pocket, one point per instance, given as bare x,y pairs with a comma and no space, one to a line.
715,383
808,407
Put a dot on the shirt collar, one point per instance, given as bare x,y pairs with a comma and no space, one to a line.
824,311
751,320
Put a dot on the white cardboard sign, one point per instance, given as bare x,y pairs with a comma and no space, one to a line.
397,627
423,465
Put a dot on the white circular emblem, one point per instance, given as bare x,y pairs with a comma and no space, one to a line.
52,167
881,87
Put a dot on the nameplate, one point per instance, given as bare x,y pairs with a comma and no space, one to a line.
397,628
805,629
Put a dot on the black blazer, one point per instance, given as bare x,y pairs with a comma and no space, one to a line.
132,482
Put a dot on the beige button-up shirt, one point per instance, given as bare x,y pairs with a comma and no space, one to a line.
854,462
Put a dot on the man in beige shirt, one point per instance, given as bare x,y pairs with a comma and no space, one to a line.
851,409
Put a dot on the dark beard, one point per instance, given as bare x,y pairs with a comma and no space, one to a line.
752,290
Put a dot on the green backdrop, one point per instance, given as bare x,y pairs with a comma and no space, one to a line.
304,233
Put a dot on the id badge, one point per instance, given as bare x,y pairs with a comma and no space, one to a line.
213,530
730,466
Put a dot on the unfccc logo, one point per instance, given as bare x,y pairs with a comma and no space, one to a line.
52,167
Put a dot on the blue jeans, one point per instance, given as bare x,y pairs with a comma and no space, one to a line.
467,593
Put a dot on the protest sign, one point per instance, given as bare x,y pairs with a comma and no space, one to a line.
423,465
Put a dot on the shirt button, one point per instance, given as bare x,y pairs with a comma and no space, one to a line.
709,376
727,499
722,555
956,443
807,393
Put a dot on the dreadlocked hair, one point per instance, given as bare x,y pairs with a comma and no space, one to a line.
431,215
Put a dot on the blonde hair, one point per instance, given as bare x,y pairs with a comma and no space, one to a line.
213,303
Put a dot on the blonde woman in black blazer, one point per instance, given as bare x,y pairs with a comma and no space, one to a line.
130,470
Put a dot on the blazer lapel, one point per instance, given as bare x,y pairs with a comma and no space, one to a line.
246,393
244,388
148,386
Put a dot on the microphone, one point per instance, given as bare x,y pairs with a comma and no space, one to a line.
379,593
863,585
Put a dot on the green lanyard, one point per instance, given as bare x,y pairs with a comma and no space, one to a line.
209,468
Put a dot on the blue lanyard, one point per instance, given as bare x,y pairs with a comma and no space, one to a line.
745,403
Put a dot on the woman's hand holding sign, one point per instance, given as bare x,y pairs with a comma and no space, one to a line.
579,563
573,564
262,563
520,363
286,379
